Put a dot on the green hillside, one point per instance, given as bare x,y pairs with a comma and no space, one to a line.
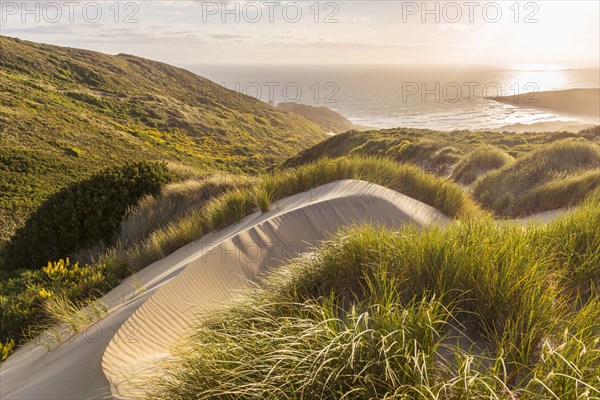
509,174
327,119
433,150
65,113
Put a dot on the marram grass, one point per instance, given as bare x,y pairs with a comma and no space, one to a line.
478,310
478,162
183,213
553,176
241,200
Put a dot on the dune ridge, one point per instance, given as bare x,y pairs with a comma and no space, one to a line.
138,332
232,265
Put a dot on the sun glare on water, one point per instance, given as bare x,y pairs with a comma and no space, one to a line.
540,77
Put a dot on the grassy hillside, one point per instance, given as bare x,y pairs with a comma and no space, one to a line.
435,151
327,119
66,112
478,310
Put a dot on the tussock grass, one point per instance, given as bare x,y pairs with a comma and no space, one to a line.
559,192
478,162
506,191
66,318
477,310
237,203
153,213
174,202
432,150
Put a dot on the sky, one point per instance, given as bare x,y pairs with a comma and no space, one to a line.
524,34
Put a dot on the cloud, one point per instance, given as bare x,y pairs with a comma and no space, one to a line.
171,3
362,19
224,37
453,27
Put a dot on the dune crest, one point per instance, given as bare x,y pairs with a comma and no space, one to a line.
144,325
223,269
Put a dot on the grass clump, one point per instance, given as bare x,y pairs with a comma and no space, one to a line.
82,214
479,162
67,317
477,310
552,170
174,202
560,192
330,356
232,206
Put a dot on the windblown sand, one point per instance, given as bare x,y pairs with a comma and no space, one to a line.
151,312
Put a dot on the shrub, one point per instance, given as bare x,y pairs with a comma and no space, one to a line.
84,213
6,349
33,300
75,281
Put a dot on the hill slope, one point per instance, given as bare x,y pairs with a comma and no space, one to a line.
324,117
436,151
513,174
66,112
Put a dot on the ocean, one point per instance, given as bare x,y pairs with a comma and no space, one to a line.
442,98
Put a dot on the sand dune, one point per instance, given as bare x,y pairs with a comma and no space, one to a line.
142,326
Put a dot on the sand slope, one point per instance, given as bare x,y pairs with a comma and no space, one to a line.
143,326
583,103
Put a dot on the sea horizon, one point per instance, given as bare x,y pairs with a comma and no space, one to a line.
387,96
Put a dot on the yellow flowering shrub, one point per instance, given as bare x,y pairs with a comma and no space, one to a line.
6,349
24,298
44,293
76,280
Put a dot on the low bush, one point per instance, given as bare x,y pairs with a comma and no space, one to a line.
82,214
30,301
6,349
